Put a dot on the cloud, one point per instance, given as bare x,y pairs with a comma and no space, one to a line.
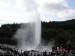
14,17
3,4
48,10
41,2
61,11
71,15
27,5
56,7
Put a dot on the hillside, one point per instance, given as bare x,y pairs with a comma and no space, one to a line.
59,31
62,32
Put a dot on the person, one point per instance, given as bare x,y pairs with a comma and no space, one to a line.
38,54
68,45
49,53
57,54
71,53
52,53
45,53
35,54
25,53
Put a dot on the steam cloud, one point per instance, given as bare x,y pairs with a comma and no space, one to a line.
29,35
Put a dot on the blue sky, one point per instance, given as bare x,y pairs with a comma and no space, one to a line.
71,3
48,10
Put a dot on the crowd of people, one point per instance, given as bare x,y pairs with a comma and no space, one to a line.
14,52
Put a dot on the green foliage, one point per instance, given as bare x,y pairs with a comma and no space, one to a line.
61,32
6,33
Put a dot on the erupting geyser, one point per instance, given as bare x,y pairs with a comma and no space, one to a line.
29,35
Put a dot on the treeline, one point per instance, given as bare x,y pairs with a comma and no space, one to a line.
7,32
61,32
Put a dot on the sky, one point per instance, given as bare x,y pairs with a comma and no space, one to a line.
21,11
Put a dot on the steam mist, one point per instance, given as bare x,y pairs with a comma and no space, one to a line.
28,36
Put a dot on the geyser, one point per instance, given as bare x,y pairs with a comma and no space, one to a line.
29,35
